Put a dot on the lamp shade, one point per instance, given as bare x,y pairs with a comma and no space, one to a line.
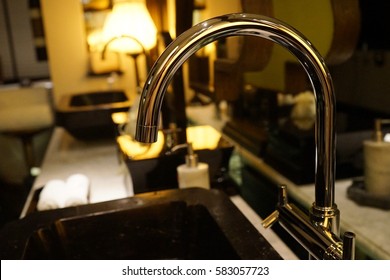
131,20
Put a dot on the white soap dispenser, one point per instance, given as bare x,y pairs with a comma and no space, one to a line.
193,173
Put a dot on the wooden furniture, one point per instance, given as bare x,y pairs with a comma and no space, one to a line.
254,55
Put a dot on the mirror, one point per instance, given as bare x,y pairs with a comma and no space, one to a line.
371,48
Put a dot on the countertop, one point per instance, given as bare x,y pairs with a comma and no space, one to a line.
65,155
110,178
371,225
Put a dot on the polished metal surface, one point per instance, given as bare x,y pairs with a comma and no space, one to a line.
319,241
324,212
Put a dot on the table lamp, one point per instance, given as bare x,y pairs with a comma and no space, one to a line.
129,29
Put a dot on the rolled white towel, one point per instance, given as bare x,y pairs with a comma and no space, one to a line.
52,195
77,190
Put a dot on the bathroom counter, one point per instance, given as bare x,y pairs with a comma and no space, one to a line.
371,225
110,179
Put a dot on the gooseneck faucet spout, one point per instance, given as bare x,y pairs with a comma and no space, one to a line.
324,212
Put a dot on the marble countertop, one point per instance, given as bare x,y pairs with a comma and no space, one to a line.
371,225
110,178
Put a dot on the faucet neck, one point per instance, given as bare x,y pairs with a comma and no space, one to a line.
260,26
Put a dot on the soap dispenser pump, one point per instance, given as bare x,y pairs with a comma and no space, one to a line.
193,173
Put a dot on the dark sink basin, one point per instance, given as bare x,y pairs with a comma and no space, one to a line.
172,224
98,98
87,116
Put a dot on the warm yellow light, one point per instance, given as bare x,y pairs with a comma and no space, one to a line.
203,137
131,19
135,150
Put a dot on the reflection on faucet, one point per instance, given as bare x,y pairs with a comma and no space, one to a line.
319,234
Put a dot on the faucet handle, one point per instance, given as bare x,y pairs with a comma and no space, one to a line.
271,219
349,246
274,216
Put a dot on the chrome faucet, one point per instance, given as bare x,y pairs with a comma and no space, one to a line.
319,232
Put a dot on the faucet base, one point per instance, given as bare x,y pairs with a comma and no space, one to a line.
326,217
314,233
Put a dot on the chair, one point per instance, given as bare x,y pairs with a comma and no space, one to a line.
24,113
254,55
